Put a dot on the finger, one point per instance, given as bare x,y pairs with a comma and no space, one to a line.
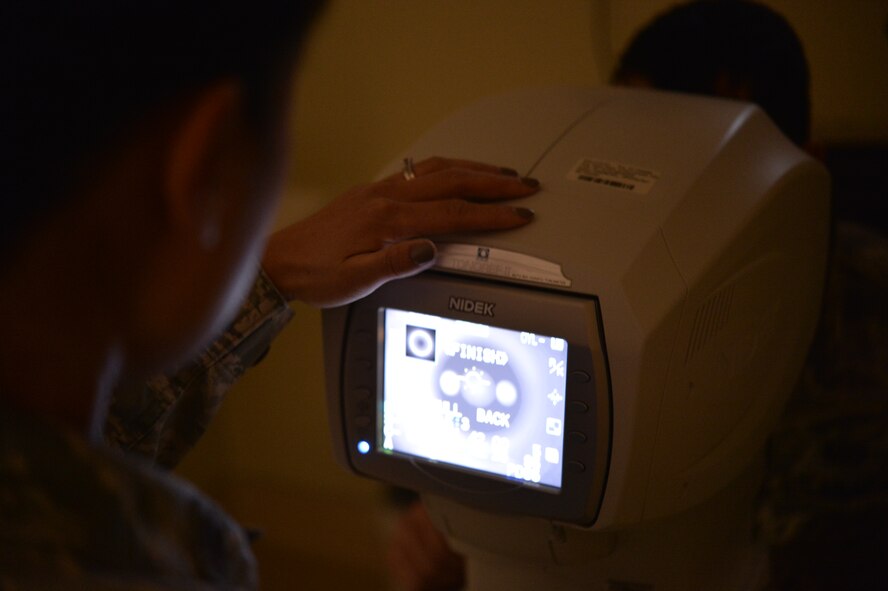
395,261
462,183
409,220
445,569
410,554
433,540
407,575
436,163
401,567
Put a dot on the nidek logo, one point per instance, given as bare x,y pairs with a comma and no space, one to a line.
476,307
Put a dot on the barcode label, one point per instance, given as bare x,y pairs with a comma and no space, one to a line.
608,182
615,175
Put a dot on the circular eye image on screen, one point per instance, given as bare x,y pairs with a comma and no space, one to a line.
474,397
420,343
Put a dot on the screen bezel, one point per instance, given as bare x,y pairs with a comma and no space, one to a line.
576,319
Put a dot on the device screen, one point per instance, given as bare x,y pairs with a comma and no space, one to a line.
474,396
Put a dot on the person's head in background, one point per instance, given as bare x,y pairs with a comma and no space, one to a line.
729,48
143,145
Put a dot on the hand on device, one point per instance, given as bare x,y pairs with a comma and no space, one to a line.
377,232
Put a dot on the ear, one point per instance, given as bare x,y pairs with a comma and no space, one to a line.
197,149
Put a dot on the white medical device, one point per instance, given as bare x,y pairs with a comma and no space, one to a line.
575,397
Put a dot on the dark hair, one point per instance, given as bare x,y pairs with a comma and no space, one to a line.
76,73
689,48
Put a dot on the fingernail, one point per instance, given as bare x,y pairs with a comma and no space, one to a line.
422,253
530,182
525,213
508,171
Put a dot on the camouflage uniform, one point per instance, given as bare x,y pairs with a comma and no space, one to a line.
824,506
80,516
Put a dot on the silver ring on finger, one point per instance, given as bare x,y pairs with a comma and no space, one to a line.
408,171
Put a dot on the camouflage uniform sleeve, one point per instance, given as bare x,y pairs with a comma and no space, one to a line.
824,504
74,515
163,418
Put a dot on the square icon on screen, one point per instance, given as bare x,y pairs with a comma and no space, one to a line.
552,456
420,343
553,426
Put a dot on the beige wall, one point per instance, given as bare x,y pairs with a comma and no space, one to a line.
847,49
381,71
376,75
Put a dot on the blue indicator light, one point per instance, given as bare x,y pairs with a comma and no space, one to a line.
363,447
